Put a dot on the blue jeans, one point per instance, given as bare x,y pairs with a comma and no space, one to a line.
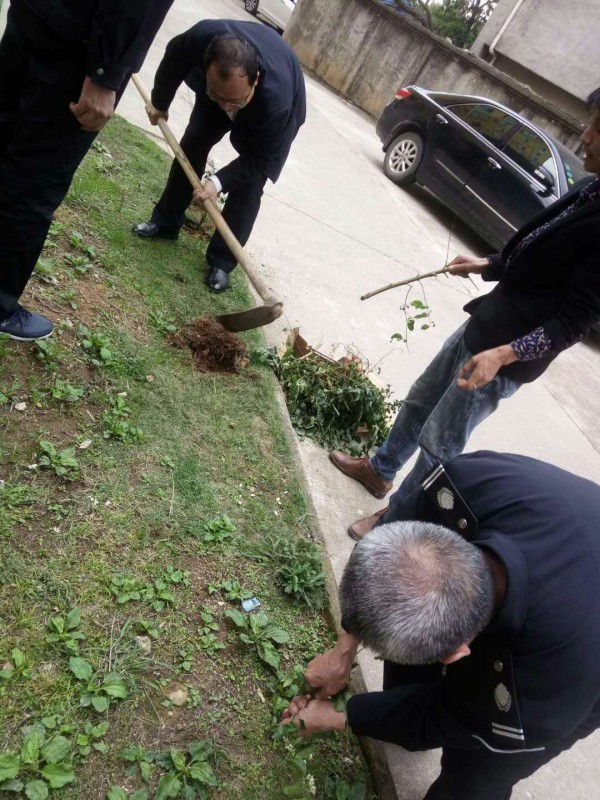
437,416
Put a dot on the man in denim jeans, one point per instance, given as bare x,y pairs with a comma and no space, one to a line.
547,296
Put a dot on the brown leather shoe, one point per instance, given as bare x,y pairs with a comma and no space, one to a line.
363,526
361,470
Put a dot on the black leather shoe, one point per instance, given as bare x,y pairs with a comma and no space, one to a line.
217,279
150,230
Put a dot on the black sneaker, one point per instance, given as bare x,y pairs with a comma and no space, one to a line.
26,326
150,230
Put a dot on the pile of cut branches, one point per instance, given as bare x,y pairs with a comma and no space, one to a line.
333,402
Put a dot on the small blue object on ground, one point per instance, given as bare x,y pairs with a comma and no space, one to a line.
26,326
251,604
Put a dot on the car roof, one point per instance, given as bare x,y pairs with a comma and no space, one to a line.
564,152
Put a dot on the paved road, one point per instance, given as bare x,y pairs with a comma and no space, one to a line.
334,227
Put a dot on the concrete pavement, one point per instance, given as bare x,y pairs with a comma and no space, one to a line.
334,227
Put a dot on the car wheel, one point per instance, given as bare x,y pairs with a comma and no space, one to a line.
251,6
402,158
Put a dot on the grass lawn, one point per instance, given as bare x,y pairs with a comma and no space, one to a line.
141,501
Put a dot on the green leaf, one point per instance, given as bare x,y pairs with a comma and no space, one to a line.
100,703
114,686
58,624
237,618
10,765
178,759
201,771
357,792
268,654
82,669
168,786
145,770
56,750
18,658
30,749
36,790
141,794
99,730
58,775
295,790
73,619
277,634
116,793
11,786
200,751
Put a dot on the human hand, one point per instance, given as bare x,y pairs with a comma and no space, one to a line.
329,673
207,192
464,265
95,106
483,367
154,114
311,715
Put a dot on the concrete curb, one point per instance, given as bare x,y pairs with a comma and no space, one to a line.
374,751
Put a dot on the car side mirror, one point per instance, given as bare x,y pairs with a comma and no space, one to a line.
544,176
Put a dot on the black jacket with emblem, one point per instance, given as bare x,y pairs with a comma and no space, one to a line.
533,676
553,281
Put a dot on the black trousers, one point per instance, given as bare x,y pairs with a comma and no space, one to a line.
41,143
481,774
208,124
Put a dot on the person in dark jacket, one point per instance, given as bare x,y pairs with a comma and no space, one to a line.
481,593
247,81
63,66
546,299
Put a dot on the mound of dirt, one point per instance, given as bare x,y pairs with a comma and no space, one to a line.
214,349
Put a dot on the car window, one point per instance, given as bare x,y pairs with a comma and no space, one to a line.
489,121
530,151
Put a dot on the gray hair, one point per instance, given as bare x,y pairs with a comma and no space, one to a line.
415,592
593,101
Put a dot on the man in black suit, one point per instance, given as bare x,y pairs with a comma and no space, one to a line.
481,592
547,296
63,66
248,81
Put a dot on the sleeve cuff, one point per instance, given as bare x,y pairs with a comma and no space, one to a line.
110,76
217,183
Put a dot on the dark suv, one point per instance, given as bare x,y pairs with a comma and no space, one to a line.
489,165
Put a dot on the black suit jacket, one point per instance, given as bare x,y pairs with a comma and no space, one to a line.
263,131
554,281
117,34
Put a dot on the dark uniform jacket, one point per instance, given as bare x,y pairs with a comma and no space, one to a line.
116,33
554,281
533,676
263,131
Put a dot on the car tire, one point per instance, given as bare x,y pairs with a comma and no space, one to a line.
251,6
402,158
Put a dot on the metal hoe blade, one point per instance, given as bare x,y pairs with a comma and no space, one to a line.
253,318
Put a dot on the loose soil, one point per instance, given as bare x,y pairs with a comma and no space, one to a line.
213,348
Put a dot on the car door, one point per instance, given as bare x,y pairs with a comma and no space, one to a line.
278,11
517,183
460,138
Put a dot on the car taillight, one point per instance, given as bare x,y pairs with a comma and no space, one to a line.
402,93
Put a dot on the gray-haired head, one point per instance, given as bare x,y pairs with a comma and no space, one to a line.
416,592
593,101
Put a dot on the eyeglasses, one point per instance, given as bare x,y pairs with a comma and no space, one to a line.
235,103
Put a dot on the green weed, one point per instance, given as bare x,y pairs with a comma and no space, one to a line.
260,634
62,462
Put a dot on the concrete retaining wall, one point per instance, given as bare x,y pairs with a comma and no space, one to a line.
365,51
